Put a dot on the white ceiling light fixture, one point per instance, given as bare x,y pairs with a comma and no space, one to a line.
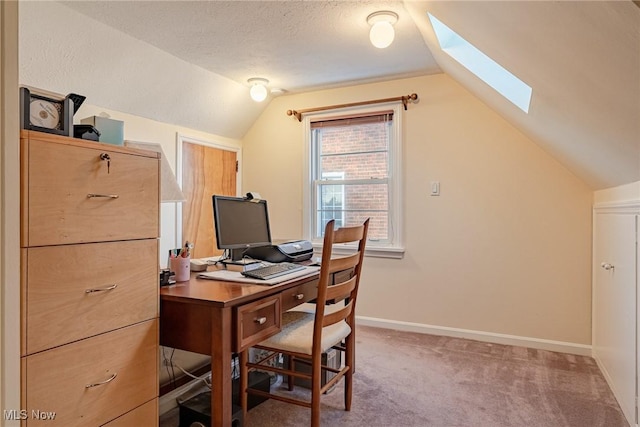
382,33
258,89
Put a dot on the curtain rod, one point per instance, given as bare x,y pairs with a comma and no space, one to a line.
404,99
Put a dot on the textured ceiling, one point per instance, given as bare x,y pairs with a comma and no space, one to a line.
296,45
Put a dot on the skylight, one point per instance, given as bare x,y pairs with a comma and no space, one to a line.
474,60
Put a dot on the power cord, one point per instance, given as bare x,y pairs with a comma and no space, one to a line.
168,363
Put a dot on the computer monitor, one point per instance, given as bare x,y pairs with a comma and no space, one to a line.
240,224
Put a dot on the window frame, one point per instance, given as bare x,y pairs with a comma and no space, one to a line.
394,248
329,176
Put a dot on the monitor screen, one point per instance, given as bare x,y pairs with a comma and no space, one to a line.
240,223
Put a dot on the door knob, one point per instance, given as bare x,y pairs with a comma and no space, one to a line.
607,266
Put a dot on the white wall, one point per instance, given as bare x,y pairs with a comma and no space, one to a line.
504,250
628,192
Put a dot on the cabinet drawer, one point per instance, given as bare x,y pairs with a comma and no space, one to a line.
298,295
58,182
257,321
145,415
77,291
92,381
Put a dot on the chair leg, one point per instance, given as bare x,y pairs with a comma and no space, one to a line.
349,356
316,371
290,366
244,382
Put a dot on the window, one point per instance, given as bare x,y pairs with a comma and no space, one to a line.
331,201
353,165
485,68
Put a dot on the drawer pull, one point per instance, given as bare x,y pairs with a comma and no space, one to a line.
299,296
107,288
108,380
260,320
107,196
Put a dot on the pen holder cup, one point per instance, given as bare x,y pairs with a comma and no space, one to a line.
181,266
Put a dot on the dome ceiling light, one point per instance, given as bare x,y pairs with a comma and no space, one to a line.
382,33
258,89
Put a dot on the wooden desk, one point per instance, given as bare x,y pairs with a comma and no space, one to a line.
221,318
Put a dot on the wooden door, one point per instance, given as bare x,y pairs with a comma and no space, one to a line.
205,171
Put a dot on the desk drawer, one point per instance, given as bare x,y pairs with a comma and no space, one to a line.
92,381
298,295
60,307
257,321
59,181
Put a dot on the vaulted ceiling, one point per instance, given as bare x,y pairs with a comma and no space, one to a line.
582,60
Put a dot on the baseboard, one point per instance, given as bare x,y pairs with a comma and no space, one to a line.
541,344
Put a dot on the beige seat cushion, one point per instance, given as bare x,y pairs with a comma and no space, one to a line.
297,333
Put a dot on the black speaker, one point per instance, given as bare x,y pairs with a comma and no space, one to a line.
198,408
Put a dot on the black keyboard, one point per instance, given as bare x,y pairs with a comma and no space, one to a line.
271,271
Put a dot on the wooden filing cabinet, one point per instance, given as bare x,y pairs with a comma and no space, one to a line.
89,282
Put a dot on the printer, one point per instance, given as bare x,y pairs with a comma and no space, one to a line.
295,251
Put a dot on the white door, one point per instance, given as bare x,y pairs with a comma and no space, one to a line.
614,310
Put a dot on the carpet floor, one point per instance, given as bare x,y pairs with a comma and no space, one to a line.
408,379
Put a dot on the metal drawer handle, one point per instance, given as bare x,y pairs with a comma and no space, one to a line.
607,266
111,378
299,296
108,196
260,320
108,288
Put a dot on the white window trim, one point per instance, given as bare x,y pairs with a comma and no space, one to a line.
395,249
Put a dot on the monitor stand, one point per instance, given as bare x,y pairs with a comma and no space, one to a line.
237,258
239,261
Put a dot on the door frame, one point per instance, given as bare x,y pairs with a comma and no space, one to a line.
10,387
180,140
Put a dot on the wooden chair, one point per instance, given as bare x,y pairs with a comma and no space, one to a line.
306,336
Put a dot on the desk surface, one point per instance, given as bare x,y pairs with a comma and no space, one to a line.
223,294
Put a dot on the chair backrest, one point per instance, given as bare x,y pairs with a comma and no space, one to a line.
334,288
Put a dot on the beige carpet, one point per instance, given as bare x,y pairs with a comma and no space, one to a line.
410,379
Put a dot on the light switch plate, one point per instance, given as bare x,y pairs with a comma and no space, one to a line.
435,188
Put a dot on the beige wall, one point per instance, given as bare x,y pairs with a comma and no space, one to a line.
505,249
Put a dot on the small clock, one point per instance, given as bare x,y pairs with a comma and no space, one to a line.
44,114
